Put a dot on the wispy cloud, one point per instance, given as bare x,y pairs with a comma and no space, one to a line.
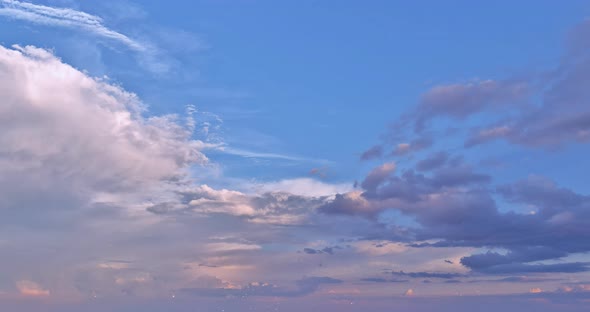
65,17
253,154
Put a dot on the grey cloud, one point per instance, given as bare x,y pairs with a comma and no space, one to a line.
325,250
302,287
573,267
378,176
433,161
372,153
440,275
452,206
383,280
418,144
525,279
562,116
462,100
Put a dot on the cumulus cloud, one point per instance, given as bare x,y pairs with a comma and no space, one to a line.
378,175
454,208
268,207
73,140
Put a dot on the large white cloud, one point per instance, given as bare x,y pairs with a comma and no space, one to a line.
67,136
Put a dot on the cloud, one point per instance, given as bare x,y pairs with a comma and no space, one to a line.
415,145
302,287
302,186
90,142
383,280
440,275
433,161
352,203
325,250
372,153
562,115
31,289
265,208
463,100
378,175
252,154
453,207
65,17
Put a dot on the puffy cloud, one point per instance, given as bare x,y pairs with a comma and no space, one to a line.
302,187
454,208
272,207
352,203
73,140
378,175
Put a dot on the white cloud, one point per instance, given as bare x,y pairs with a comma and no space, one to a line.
221,247
67,136
304,187
65,17
265,207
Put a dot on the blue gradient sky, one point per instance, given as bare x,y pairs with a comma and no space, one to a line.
264,155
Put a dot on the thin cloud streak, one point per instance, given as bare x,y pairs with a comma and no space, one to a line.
251,154
65,17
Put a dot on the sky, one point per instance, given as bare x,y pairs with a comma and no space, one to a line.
294,155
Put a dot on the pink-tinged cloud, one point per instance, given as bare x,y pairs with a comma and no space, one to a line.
31,289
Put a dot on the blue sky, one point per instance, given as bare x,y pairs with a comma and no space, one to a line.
308,151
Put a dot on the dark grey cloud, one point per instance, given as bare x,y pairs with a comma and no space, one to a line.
454,206
441,275
325,250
